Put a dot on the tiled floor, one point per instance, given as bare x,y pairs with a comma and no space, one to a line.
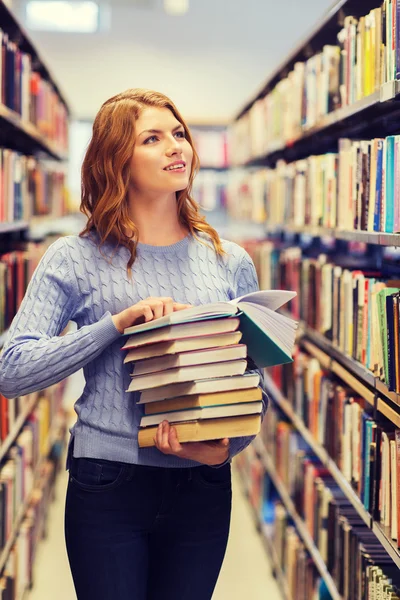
245,573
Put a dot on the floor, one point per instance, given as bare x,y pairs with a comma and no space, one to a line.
245,574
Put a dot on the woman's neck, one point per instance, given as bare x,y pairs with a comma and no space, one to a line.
157,220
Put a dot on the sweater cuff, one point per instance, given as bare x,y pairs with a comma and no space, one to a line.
104,331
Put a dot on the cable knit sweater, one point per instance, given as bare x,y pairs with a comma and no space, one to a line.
77,281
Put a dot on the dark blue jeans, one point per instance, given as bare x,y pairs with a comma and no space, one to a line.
146,533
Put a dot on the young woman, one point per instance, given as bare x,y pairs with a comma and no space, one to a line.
140,524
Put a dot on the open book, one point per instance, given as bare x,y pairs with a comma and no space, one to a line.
269,336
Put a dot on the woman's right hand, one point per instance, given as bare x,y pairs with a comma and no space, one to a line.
146,310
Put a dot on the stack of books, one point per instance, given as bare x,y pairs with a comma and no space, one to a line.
190,366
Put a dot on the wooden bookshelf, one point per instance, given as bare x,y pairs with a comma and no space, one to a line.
354,368
367,237
338,476
13,227
26,137
322,33
10,25
19,423
266,534
319,451
23,509
298,522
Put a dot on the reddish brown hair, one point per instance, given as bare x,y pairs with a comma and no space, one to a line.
106,172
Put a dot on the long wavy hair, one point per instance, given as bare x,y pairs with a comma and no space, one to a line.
106,173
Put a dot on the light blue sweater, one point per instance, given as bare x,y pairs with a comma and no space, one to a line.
77,281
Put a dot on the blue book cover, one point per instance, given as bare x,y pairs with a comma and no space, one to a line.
389,178
378,189
368,441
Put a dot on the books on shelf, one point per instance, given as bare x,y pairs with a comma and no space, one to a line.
365,448
356,309
29,187
363,59
24,91
16,269
354,189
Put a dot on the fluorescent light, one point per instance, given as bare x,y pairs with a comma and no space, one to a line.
50,15
176,7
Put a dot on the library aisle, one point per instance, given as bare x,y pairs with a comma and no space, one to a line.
245,554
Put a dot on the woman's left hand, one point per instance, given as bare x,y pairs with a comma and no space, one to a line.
207,453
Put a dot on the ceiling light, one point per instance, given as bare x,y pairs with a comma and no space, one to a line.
176,7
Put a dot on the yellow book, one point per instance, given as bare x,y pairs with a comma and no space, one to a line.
367,63
209,429
372,65
378,48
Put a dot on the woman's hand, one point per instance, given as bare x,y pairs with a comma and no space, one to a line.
207,453
146,310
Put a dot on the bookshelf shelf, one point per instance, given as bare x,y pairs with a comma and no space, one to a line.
299,523
23,510
10,439
324,32
387,543
336,124
323,456
14,29
266,533
367,237
30,138
13,227
349,364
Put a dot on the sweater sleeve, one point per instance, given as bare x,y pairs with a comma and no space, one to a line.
246,281
34,356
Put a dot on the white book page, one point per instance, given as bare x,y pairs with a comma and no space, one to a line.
272,299
280,329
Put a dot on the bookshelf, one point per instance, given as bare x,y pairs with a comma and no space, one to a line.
299,523
357,116
325,459
367,237
26,137
26,504
289,176
13,227
34,119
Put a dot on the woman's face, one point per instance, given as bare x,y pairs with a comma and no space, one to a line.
162,156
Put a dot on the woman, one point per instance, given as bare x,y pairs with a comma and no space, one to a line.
140,524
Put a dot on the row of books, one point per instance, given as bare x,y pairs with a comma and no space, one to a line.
365,57
29,187
26,92
302,580
366,449
16,270
359,567
357,310
354,189
31,468
302,577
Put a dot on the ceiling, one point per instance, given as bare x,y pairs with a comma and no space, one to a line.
209,61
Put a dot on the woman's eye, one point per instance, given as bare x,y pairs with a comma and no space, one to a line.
181,134
152,138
